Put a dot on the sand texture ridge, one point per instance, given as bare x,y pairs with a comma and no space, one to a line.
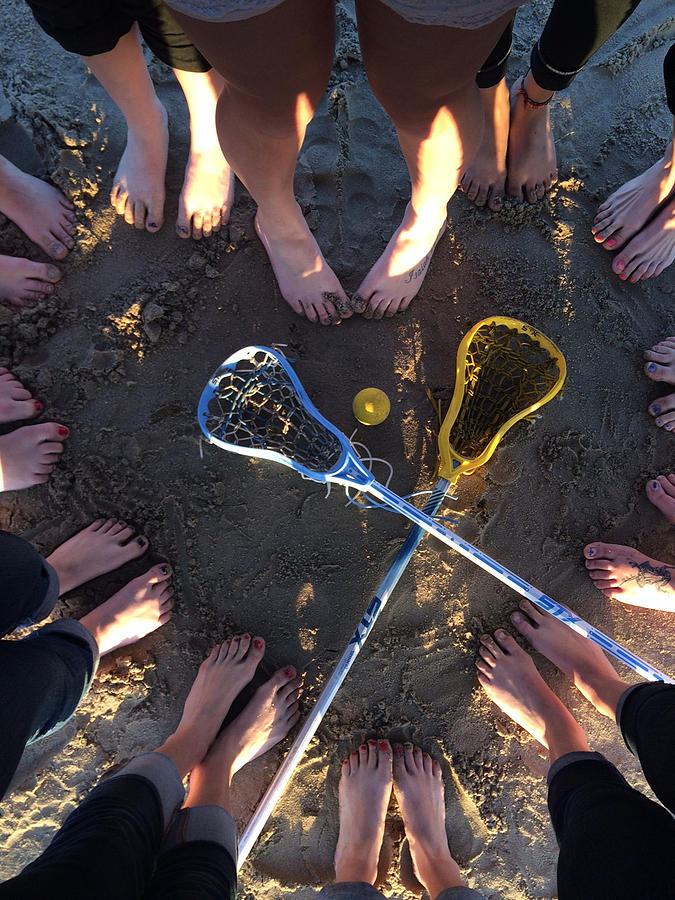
121,352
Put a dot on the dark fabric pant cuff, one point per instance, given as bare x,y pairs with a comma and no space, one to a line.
461,892
350,890
567,759
204,823
492,75
547,76
162,773
622,702
75,629
49,600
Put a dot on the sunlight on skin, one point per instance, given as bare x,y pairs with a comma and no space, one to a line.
304,111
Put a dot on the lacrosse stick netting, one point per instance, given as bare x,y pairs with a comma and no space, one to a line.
505,371
255,405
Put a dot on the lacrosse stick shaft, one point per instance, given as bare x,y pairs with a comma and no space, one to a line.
517,584
313,720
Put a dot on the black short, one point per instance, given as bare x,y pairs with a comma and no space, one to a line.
90,27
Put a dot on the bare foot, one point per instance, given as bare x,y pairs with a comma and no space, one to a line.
139,608
23,281
625,574
418,785
531,159
484,180
651,250
264,722
41,211
395,279
29,455
206,198
625,212
228,668
580,659
511,680
138,185
103,546
661,492
364,792
306,281
15,401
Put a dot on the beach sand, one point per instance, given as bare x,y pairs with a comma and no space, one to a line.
122,351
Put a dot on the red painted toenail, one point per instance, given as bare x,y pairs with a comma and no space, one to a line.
246,637
63,431
398,750
372,743
610,242
289,672
257,643
38,405
384,745
363,747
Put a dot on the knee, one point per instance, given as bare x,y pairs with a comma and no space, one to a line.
413,105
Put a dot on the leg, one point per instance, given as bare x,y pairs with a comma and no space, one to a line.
424,76
138,185
276,66
201,847
574,31
208,189
44,676
661,367
126,816
418,785
41,211
624,574
613,841
484,181
365,788
646,717
661,492
29,455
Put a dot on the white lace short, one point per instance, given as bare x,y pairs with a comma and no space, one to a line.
451,13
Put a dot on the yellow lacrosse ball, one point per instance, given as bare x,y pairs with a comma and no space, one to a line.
371,406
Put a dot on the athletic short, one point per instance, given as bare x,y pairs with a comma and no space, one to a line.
90,27
451,13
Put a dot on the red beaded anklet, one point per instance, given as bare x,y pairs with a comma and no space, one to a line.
528,101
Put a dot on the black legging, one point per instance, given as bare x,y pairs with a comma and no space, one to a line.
574,31
615,842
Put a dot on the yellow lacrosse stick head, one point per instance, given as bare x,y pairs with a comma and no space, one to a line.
506,370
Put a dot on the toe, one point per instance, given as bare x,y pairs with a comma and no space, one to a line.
507,643
488,642
385,753
523,625
495,200
409,756
244,644
159,573
372,754
363,755
308,310
197,225
657,372
257,650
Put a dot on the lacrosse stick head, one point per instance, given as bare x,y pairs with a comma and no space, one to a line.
255,405
506,370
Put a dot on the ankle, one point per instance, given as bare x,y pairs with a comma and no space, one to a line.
355,867
435,868
534,97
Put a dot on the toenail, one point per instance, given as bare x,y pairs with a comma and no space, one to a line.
591,551
656,409
363,747
384,745
398,749
500,634
183,229
164,570
655,485
516,618
345,762
38,405
651,367
610,242
152,224
659,422
140,541
372,743
289,672
257,643
246,637
668,426
63,431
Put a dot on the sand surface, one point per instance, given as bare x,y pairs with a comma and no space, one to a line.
139,322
